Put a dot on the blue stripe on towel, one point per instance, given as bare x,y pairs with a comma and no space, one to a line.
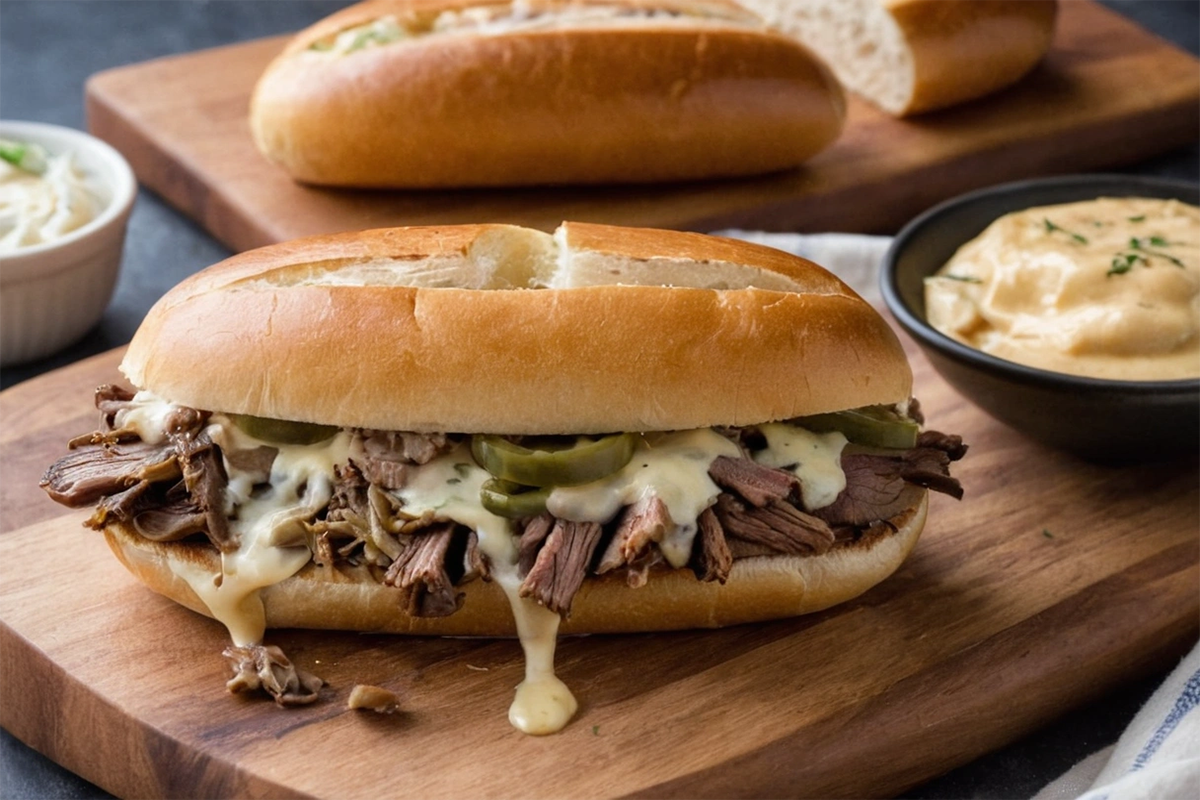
1188,699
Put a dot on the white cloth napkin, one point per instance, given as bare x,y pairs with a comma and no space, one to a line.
1158,755
853,257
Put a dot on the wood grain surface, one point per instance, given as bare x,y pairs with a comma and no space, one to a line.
1052,582
1108,94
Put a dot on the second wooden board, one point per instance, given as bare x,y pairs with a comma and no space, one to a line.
1108,94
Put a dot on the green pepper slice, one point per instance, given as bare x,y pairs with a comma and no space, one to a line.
282,431
506,499
874,426
583,461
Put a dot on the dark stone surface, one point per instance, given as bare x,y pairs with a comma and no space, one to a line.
47,51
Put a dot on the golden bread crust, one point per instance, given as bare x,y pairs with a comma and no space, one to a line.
567,105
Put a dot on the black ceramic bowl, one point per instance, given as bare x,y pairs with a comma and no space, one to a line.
1100,420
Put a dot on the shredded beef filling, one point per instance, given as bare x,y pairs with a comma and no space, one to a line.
386,458
711,557
561,564
93,471
205,478
167,491
778,526
756,484
176,489
175,519
421,573
639,526
267,669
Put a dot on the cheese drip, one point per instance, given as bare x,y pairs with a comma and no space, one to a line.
301,485
449,486
814,458
542,704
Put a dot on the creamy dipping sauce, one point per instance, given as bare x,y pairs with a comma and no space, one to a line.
40,207
1106,288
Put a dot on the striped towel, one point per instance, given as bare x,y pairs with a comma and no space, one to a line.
1158,755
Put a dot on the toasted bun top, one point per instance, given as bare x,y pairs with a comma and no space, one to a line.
500,329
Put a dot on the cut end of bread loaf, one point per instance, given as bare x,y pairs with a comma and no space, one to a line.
912,56
858,39
497,329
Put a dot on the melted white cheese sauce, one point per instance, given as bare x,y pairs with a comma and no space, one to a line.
449,486
814,458
674,466
301,484
1106,288
147,415
542,704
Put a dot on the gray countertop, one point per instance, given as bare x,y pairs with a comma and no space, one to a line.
48,50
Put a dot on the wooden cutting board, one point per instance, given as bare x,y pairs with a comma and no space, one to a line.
1108,94
1052,582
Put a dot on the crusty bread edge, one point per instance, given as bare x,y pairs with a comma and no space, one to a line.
759,588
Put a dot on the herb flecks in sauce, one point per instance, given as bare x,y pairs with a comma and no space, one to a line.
1054,228
1158,242
1124,261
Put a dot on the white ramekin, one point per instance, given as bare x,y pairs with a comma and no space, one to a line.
52,293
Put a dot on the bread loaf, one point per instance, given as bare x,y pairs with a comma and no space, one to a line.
444,93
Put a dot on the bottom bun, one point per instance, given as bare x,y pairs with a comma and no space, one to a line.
350,598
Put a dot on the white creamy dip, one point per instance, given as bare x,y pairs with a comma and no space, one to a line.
40,207
1106,288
